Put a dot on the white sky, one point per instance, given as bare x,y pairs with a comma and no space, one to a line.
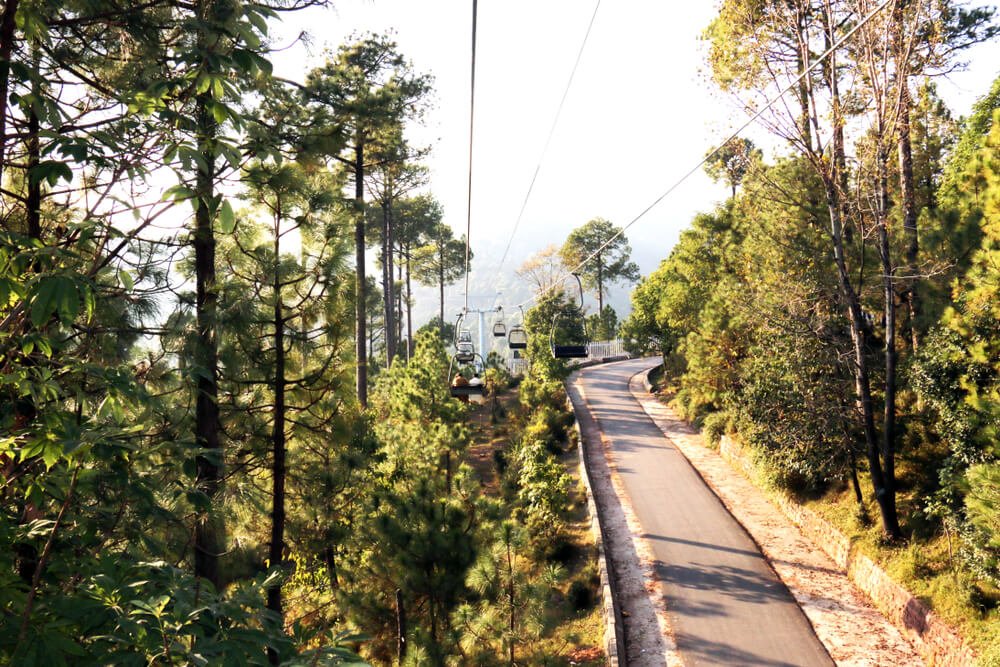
640,114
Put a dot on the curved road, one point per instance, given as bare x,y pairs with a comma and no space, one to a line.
726,606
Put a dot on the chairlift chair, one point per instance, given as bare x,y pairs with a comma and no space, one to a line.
499,328
573,349
517,337
455,366
465,352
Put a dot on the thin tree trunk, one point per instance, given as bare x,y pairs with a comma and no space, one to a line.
399,301
360,316
888,498
33,205
862,381
400,627
275,553
409,309
833,183
855,483
600,286
388,300
512,623
8,30
911,294
209,532
441,284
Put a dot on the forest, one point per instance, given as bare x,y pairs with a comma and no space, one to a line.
225,441
222,440
839,314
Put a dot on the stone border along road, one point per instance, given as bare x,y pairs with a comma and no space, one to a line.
850,629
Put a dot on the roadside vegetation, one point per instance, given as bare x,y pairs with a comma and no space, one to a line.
839,312
222,441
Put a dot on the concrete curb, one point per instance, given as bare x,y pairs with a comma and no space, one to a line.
936,642
614,638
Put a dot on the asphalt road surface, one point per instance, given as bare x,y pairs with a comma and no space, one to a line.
726,606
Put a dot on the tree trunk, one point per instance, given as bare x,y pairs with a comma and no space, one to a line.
600,286
803,88
888,498
409,309
388,299
400,627
399,301
33,205
275,553
441,284
833,179
911,295
209,532
512,623
862,381
360,316
8,28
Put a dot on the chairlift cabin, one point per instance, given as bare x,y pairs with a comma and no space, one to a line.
568,338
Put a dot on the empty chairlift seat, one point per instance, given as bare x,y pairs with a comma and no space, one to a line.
572,351
517,338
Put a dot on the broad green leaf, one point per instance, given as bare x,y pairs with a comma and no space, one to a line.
177,193
54,293
226,218
50,171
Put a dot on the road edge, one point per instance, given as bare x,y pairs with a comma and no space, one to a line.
822,616
614,636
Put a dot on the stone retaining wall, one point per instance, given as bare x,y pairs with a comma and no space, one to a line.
937,642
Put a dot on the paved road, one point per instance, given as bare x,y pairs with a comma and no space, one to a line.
726,605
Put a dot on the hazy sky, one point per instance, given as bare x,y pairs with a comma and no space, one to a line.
640,114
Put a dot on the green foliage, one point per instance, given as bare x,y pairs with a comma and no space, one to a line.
513,597
606,251
542,486
603,325
957,375
732,161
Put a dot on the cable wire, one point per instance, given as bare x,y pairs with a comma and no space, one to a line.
548,140
472,121
711,153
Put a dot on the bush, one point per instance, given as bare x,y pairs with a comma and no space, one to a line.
716,425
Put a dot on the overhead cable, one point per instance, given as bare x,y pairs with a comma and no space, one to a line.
472,119
712,153
548,140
